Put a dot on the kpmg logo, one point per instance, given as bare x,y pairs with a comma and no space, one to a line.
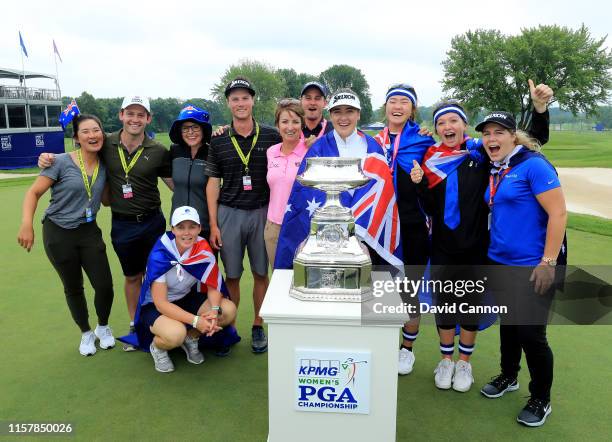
5,143
331,381
40,140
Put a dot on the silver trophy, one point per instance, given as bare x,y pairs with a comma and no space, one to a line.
331,264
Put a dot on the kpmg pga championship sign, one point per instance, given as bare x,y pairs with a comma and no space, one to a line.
332,381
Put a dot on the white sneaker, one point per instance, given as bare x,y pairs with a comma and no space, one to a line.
163,363
88,344
462,380
405,362
444,374
105,335
190,346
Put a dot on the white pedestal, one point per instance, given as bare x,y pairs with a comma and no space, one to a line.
327,326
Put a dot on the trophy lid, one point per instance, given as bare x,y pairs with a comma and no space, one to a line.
333,173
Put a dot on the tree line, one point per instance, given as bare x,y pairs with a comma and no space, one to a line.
483,69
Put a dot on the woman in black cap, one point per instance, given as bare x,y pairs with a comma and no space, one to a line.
191,133
528,219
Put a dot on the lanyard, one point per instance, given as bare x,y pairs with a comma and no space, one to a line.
386,142
493,187
323,126
243,158
88,186
126,167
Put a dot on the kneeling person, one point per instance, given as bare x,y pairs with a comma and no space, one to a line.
172,312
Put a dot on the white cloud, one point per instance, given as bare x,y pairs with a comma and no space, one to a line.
182,48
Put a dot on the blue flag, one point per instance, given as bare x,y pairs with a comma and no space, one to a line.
373,205
68,114
23,48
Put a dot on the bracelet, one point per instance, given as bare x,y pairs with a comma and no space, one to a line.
216,307
194,323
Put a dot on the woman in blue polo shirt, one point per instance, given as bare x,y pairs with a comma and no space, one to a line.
528,219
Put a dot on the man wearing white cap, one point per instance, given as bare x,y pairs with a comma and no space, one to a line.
134,162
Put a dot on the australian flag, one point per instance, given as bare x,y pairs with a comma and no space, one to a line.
68,114
440,163
410,146
200,263
373,205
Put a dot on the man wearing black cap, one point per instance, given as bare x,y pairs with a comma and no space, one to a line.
314,100
238,208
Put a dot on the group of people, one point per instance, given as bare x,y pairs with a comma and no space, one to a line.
455,202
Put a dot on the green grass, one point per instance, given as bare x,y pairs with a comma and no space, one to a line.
579,149
119,396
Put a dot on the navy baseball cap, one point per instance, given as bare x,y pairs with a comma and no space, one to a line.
316,84
502,118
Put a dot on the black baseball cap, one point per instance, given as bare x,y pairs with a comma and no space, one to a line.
239,83
316,84
502,118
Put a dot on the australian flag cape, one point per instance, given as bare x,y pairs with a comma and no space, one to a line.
202,265
522,155
411,146
373,205
440,163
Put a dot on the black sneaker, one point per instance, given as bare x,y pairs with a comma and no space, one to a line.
499,385
260,341
222,350
535,412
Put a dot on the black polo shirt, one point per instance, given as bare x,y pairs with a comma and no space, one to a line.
190,181
154,162
317,129
224,162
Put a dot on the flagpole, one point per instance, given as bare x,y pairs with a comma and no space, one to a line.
56,74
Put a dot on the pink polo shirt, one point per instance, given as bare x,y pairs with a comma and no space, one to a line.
282,170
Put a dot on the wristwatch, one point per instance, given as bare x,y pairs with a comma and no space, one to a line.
550,261
218,309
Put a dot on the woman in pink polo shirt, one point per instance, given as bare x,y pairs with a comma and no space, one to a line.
284,159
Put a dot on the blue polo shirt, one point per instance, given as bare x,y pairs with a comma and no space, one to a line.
518,222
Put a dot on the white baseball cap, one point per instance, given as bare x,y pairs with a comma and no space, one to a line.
344,97
184,213
136,99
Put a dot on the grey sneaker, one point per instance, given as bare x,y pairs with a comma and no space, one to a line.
535,412
260,341
105,334
130,347
444,374
163,363
190,346
499,385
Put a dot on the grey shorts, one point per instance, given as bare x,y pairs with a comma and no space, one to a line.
239,229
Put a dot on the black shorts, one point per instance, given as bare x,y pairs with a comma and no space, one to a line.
148,315
133,241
